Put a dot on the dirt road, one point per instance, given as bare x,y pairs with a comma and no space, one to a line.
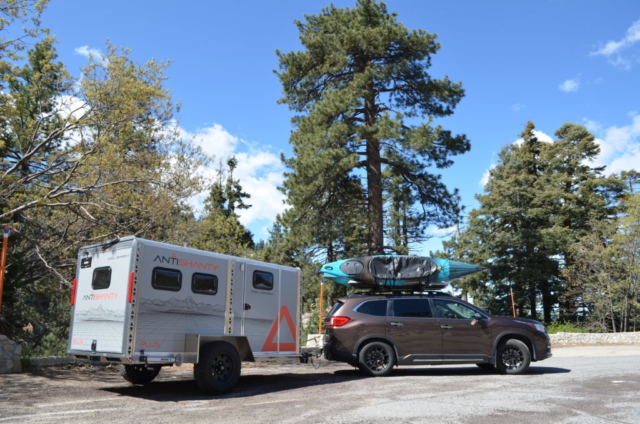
579,384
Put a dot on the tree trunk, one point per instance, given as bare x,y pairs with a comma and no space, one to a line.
374,176
533,301
547,301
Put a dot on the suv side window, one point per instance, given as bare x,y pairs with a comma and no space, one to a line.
376,308
414,308
453,309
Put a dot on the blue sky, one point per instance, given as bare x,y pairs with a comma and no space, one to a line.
550,62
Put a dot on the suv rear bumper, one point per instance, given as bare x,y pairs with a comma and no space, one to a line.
332,354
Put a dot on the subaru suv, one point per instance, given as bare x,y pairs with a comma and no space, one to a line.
377,332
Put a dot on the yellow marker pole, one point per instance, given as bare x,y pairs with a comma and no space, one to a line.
513,303
321,306
3,261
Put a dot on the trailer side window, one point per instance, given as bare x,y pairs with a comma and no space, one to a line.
204,284
101,278
262,280
166,279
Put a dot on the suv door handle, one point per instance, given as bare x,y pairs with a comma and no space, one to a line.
397,324
446,327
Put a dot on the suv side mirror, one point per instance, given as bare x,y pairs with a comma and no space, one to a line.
478,316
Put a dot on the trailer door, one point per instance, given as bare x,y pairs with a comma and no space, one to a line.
262,307
99,313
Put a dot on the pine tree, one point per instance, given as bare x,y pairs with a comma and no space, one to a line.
539,200
220,229
361,87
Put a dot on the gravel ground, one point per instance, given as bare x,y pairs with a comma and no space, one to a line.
580,384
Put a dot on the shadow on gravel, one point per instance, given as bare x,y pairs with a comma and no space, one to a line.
255,385
440,371
249,385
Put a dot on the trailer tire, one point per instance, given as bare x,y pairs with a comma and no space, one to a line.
139,374
218,368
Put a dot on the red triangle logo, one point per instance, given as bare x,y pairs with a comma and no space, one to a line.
269,344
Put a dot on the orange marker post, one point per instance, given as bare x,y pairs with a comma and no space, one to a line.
321,306
513,303
3,261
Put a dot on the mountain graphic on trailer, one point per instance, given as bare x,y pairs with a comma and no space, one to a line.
177,306
396,272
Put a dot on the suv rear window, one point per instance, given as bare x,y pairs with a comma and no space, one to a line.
413,308
376,308
335,308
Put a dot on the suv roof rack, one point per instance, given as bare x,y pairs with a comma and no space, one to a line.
399,293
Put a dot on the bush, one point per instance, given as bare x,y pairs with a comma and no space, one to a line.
563,327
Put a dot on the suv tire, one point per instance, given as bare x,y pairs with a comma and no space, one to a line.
513,357
376,359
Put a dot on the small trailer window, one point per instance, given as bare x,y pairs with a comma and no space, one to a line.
166,279
204,284
262,280
101,278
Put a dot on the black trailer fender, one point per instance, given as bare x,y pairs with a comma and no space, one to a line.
193,343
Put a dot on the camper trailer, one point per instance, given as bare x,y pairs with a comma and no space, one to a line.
145,305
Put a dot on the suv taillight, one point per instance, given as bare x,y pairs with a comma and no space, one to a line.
338,321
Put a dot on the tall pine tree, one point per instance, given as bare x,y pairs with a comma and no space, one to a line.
361,88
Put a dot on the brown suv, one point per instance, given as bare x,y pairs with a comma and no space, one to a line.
376,332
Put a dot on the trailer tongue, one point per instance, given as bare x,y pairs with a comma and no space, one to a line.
144,305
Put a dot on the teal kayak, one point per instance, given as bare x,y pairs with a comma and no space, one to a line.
396,271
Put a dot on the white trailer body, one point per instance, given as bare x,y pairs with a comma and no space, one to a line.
140,302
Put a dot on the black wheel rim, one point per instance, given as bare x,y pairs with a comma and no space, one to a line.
222,368
376,358
512,358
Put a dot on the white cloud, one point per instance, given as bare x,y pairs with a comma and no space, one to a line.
216,141
89,53
570,85
545,138
541,136
259,170
71,106
612,49
444,232
517,107
260,173
631,37
619,146
485,177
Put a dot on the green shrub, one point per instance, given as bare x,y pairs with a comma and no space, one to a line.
563,327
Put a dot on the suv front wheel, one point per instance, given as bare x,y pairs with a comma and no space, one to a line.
513,357
376,359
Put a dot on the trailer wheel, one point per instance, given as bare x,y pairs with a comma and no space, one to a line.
218,369
139,374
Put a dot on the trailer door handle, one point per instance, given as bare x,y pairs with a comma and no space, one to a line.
247,306
397,324
446,327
